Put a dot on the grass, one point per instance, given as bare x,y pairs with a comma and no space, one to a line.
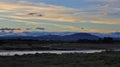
58,46
104,59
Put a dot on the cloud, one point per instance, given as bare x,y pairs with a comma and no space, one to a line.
42,11
1,18
72,28
66,27
11,30
35,14
27,22
101,30
105,6
27,28
103,0
105,21
39,28
54,13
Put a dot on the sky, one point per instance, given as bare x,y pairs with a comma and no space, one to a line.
60,15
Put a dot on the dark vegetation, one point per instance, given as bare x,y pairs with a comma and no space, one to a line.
32,44
106,40
38,41
104,59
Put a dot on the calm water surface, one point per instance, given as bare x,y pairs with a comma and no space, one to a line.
11,53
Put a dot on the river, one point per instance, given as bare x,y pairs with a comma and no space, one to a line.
12,53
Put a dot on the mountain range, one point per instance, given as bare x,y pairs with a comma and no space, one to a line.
58,35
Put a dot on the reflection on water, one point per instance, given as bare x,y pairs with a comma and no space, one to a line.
11,53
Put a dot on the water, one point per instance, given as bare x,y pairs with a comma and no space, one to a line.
12,53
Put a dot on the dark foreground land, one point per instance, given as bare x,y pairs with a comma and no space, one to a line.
59,46
21,44
104,59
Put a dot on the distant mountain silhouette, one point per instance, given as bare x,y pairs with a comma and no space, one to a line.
77,36
58,35
73,37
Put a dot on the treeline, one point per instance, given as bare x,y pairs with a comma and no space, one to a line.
102,40
35,41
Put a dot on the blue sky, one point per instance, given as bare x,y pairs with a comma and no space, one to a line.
61,15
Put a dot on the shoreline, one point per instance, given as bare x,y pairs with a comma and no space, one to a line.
12,53
103,59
